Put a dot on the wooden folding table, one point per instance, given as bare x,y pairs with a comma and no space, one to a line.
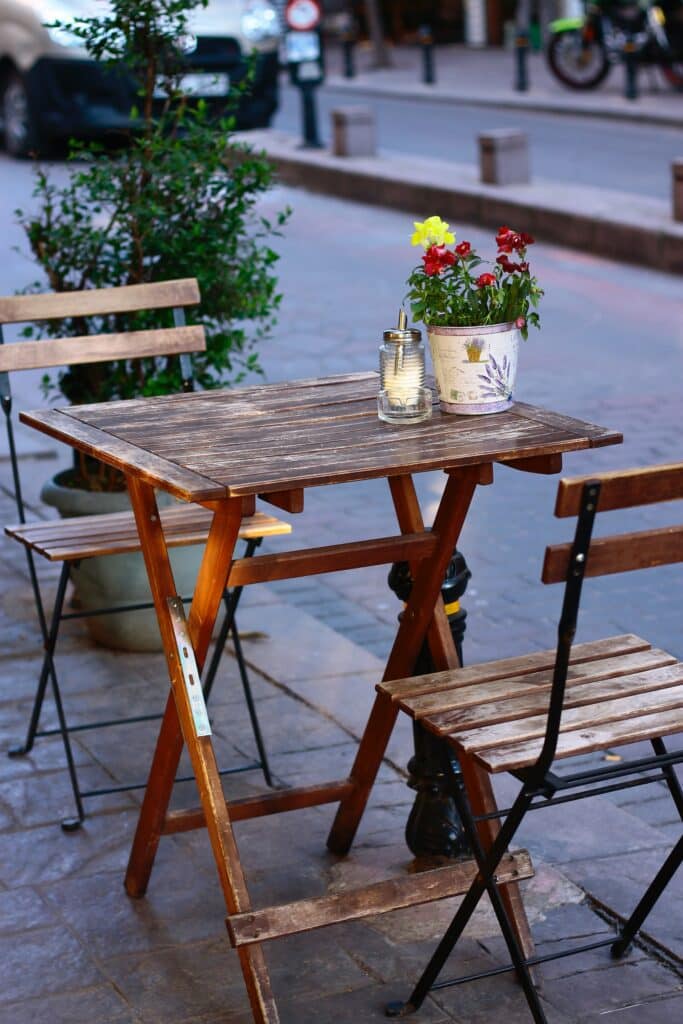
222,449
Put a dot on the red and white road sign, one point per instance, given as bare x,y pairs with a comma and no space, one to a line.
303,15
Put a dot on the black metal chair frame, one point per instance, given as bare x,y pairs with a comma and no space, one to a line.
539,788
50,632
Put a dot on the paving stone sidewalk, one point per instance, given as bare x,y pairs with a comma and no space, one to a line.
486,77
74,948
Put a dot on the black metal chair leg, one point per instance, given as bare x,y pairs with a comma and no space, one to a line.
251,708
669,771
655,890
464,912
47,670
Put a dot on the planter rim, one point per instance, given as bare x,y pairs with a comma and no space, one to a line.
474,329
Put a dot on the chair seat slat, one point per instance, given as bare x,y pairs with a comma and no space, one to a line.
585,716
116,533
636,675
446,708
436,682
584,741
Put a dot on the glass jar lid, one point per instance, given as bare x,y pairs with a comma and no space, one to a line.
398,336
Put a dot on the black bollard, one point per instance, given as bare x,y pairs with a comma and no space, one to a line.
631,70
434,827
309,116
348,53
424,34
521,67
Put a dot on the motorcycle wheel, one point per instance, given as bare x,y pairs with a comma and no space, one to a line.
578,62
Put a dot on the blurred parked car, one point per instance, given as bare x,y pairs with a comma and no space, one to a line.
50,89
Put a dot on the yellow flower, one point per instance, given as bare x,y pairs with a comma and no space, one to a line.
432,231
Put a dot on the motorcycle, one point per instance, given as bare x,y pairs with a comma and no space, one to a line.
582,50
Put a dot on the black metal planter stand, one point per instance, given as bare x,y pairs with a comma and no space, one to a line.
434,828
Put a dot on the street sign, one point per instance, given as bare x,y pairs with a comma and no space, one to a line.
303,15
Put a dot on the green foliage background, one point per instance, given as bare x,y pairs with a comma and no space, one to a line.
177,199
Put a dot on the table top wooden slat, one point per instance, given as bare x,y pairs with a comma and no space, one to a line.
306,433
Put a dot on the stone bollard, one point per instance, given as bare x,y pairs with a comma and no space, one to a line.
504,157
353,131
677,188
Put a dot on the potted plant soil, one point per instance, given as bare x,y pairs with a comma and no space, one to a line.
173,196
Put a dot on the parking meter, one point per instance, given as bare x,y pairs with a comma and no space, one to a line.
304,57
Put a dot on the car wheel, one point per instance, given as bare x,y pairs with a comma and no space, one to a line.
21,135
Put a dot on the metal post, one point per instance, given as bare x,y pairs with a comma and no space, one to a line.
348,52
631,70
434,828
309,117
426,38
521,62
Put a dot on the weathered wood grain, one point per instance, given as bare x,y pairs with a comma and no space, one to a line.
15,309
623,552
113,534
142,464
101,348
377,898
437,682
628,488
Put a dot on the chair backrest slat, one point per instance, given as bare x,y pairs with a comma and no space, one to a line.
623,489
16,309
101,348
621,553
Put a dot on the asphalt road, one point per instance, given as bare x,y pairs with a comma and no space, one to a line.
586,151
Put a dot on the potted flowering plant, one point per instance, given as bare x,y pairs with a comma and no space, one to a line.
474,317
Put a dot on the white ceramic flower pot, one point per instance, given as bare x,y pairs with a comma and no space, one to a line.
475,367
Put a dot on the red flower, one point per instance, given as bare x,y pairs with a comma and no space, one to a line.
485,280
464,249
506,263
520,322
436,259
508,240
527,239
524,267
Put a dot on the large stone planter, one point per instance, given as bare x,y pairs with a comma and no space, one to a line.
112,580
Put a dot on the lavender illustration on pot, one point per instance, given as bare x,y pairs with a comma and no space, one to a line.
496,379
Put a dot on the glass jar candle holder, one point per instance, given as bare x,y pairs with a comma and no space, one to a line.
403,397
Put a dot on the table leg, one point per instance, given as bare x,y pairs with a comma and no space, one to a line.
421,615
449,519
211,584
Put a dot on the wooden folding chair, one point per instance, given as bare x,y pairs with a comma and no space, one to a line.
522,715
69,541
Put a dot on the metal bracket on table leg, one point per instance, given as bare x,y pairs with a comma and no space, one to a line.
188,667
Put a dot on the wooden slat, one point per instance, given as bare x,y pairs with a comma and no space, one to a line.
518,697
101,348
625,488
378,898
263,441
585,741
333,558
262,805
16,309
149,468
437,682
113,534
623,552
660,692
